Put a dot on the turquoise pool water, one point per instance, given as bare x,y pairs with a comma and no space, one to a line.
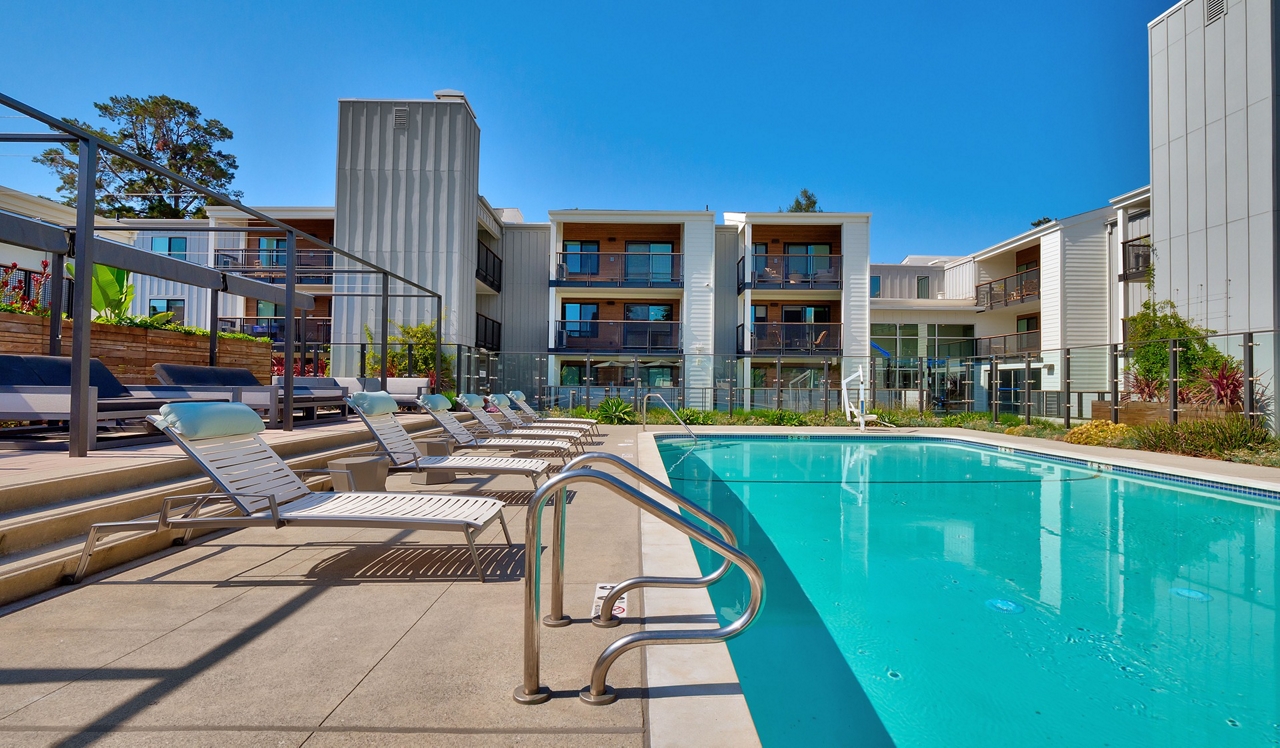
925,593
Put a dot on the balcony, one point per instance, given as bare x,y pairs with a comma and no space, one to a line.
318,329
631,337
315,266
809,338
1010,290
618,269
489,268
1000,345
1137,259
488,333
789,271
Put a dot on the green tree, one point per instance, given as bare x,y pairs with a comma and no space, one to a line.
1159,322
162,129
1041,222
423,339
805,202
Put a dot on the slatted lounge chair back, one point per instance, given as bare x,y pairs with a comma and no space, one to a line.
241,463
475,406
386,429
438,407
503,404
522,403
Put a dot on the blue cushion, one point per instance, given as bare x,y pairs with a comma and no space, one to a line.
500,400
517,395
206,420
471,401
374,403
435,402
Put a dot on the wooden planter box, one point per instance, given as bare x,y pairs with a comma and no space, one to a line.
129,352
1142,414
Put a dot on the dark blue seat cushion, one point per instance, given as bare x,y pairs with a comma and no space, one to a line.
205,376
15,372
55,371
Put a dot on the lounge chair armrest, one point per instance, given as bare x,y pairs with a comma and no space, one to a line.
303,472
196,501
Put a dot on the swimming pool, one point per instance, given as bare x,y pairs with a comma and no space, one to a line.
932,592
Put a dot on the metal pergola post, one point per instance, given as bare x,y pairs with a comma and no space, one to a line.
290,265
213,326
386,326
82,425
439,343
56,274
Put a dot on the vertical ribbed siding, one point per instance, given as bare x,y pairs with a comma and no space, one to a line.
1212,174
407,200
726,287
698,307
1051,312
959,280
899,281
855,240
525,288
146,288
1084,274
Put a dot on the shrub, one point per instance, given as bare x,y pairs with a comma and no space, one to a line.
1203,438
694,417
959,420
1009,420
1099,434
615,411
777,417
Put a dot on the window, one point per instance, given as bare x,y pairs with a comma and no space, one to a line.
573,375
875,286
808,314
173,246
1024,267
582,257
808,259
271,251
1029,324
177,307
759,313
649,261
266,309
580,320
922,287
648,312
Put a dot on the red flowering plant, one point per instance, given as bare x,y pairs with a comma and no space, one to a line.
311,369
13,291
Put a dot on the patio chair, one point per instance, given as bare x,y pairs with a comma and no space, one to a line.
262,490
503,404
522,403
378,412
475,406
438,406
38,388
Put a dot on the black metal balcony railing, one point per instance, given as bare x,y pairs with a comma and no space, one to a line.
790,337
317,329
1137,259
620,269
315,266
647,337
1010,290
789,271
489,268
488,333
1018,342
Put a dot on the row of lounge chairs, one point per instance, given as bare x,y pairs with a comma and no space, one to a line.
261,490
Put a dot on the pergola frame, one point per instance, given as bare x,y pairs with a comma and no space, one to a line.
84,246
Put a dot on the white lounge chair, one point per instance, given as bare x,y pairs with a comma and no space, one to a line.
521,402
262,491
378,412
438,406
475,406
503,404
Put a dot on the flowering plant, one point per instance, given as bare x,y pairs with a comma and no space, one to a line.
13,293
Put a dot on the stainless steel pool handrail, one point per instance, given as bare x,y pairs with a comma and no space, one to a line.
644,413
598,692
556,617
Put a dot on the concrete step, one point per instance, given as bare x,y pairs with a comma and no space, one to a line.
41,541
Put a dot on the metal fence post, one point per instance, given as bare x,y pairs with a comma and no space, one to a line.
777,371
586,378
1114,366
1173,381
56,303
1066,388
439,372
826,387
1250,393
920,383
1026,389
83,427
364,360
993,390
290,281
409,355
871,388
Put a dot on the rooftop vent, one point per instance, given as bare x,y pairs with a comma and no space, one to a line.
401,117
1213,10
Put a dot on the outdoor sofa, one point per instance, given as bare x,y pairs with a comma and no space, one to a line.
267,399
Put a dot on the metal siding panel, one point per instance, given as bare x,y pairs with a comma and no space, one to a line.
698,244
1261,276
726,306
1195,181
1215,61
1237,165
1236,288
1177,82
1236,70
1178,271
1177,203
855,239
959,281
1260,158
1257,24
1215,173
1194,65
1085,319
1159,200
1159,99
525,288
1051,312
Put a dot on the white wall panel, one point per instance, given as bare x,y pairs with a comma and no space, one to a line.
855,242
1051,312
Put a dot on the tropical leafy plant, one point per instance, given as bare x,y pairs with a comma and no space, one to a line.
615,411
695,417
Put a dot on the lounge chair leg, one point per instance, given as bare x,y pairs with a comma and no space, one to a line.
505,532
85,554
475,557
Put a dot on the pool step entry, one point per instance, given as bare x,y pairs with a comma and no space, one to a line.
597,692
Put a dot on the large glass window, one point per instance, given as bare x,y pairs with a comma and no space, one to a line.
582,257
922,287
649,312
1028,324
807,259
649,261
173,246
178,307
271,252
580,320
875,286
759,313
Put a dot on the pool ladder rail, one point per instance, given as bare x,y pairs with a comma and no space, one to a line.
644,413
597,692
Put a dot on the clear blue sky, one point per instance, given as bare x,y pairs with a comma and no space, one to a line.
955,124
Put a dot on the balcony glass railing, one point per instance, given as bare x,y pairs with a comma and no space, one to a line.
789,337
1010,290
317,329
489,268
1018,342
624,269
572,335
1137,259
315,266
789,271
488,333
